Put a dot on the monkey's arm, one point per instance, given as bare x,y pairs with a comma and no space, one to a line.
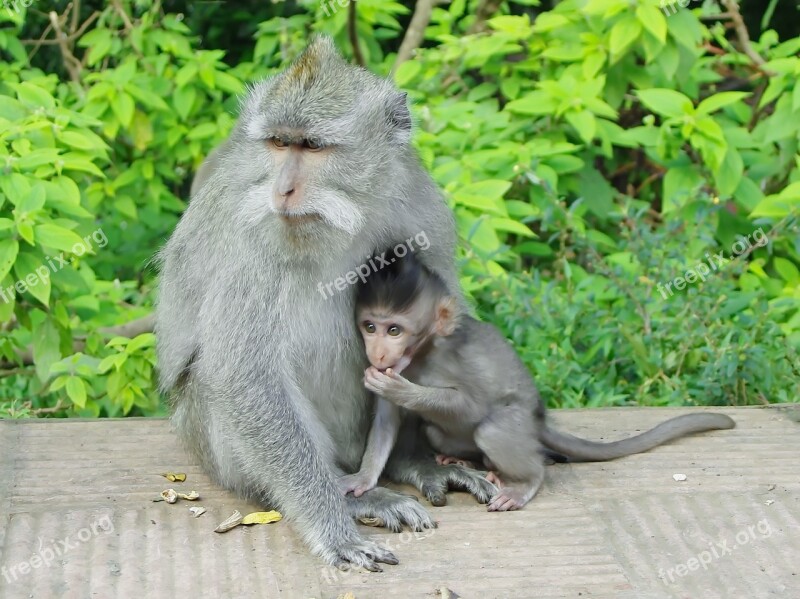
381,439
404,393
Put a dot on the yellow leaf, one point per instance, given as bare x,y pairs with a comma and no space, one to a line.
262,517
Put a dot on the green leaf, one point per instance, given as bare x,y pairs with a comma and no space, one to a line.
34,96
681,184
787,270
729,173
203,131
76,391
584,123
45,347
653,20
666,102
406,72
623,34
9,248
140,341
35,274
79,162
123,106
510,226
717,101
58,238
533,103
34,200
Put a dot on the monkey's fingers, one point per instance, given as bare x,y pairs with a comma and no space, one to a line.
364,554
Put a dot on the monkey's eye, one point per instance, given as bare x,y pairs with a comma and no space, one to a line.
369,327
312,144
278,142
394,330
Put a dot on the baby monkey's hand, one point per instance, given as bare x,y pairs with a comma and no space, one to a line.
359,483
389,384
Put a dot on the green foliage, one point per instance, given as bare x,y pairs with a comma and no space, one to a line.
592,153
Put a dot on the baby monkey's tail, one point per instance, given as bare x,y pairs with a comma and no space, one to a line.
581,450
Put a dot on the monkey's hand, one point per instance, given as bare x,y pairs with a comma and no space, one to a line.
389,384
359,483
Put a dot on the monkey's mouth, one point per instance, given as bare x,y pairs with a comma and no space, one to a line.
298,219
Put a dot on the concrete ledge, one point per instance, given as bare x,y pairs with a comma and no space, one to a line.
77,495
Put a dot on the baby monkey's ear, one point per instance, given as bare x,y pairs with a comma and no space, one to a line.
446,316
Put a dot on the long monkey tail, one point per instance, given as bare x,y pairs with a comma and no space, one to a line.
581,450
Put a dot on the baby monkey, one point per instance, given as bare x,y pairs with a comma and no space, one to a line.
475,396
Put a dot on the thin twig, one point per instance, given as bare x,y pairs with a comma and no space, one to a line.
484,11
352,32
415,34
72,64
741,32
69,38
123,15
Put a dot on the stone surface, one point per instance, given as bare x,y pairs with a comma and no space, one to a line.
77,520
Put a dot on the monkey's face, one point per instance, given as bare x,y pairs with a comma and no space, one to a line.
390,339
321,139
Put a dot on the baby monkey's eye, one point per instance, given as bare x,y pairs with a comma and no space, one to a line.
312,144
278,142
394,330
369,327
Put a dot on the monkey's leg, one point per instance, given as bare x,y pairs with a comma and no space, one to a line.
445,460
508,438
271,451
411,463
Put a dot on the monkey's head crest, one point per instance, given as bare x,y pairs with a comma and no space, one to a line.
327,98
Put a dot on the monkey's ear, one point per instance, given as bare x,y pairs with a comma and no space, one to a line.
446,316
399,118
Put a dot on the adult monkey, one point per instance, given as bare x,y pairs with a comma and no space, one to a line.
264,372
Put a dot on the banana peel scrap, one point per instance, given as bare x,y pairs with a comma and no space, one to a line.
253,518
174,477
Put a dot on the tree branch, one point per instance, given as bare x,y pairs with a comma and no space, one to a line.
484,12
352,32
72,64
741,32
415,34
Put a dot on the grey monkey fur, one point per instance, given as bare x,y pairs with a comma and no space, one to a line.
264,373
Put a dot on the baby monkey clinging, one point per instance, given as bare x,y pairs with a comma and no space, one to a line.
475,396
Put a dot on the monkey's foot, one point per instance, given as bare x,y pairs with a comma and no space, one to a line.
511,496
444,460
434,481
360,553
396,510
358,483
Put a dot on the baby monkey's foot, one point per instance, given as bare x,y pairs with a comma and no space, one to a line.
358,483
511,496
445,460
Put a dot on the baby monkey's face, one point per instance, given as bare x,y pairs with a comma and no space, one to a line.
389,338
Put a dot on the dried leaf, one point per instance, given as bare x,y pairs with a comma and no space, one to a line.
169,495
197,511
232,522
194,495
174,477
262,518
376,522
